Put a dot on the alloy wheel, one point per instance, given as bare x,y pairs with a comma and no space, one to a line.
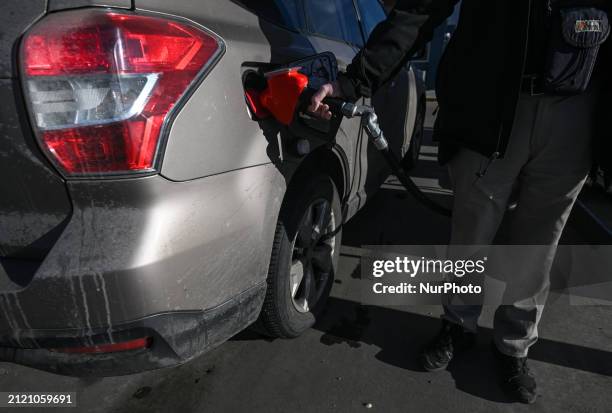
312,257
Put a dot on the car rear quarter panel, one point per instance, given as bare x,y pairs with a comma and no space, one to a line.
213,132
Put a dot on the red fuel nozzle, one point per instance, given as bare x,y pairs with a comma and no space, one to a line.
282,95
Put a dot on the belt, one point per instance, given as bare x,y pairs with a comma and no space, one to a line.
533,85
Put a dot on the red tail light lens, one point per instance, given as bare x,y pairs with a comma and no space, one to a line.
100,85
137,344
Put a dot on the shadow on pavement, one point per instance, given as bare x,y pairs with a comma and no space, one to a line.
400,335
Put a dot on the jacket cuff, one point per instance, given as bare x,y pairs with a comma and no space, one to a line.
349,87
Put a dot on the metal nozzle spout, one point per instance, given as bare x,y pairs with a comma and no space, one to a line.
350,110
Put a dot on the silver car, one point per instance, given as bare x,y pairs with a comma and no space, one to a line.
148,212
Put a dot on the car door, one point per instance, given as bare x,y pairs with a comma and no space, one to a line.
391,102
333,26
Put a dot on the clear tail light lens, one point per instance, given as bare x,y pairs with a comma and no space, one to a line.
101,85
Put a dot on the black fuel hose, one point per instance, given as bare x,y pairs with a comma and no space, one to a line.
411,187
337,106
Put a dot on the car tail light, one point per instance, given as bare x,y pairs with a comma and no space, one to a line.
101,85
137,344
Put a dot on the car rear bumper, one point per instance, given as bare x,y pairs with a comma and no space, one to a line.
135,249
175,337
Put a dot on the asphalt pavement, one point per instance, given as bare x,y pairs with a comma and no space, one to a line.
364,358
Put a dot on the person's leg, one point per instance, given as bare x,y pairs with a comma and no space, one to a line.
481,202
479,207
549,185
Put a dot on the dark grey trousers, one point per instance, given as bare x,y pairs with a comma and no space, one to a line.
546,164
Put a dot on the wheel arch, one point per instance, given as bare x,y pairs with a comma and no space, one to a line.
331,161
414,95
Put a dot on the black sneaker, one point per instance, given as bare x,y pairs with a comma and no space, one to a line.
451,339
517,380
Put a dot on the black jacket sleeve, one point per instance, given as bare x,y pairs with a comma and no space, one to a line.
603,123
408,28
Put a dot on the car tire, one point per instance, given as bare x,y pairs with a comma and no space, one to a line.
303,262
411,157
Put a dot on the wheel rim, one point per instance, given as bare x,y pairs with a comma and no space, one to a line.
312,255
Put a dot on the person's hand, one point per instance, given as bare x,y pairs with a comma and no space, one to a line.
317,106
